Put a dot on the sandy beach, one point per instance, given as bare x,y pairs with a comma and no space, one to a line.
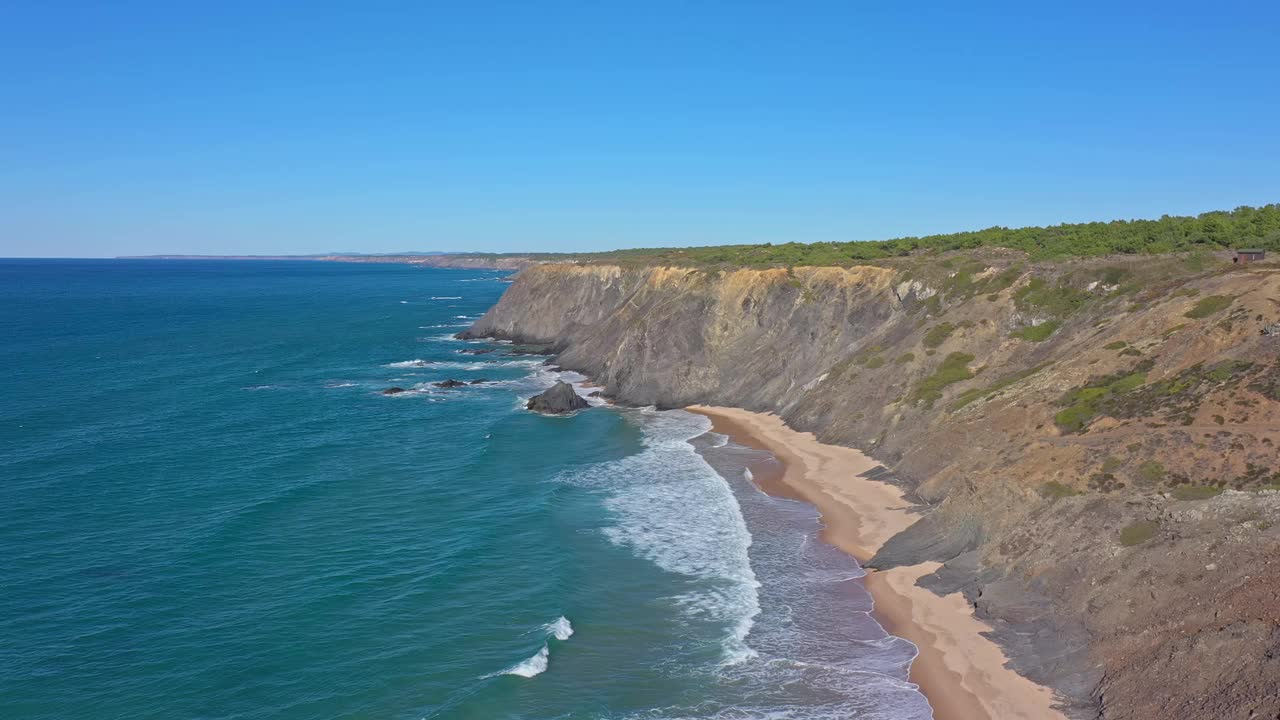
961,672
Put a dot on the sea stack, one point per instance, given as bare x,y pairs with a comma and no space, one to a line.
557,400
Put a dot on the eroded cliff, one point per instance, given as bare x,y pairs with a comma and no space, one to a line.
1096,439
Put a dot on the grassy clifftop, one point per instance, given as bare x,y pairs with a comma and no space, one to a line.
1242,227
1207,232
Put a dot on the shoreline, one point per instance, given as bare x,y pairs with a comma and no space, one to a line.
961,672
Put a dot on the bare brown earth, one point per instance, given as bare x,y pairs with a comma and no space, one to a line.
1097,439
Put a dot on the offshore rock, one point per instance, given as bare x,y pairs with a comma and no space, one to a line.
558,400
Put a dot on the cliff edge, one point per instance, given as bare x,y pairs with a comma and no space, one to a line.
1096,438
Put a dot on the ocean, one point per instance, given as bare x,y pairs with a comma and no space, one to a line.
208,509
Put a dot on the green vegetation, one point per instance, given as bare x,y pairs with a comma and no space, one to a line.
1104,482
1114,275
1196,492
1039,297
1085,403
1268,383
973,394
842,367
1127,394
1242,227
938,334
1037,333
1208,306
1117,345
1138,532
1051,303
1150,473
875,362
1003,281
905,358
953,369
1224,371
1054,490
1129,382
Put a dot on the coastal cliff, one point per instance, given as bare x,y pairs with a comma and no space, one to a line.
1093,442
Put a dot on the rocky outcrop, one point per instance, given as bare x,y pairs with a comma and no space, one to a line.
393,391
559,399
450,383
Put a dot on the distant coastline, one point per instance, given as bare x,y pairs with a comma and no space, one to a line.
463,261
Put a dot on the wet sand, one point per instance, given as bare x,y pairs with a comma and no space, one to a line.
961,672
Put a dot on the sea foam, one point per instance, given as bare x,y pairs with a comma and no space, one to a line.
454,365
671,508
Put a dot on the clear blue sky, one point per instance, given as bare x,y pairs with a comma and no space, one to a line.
227,127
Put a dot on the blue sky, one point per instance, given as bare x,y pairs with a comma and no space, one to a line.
230,128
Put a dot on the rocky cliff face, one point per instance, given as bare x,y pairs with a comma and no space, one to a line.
1097,438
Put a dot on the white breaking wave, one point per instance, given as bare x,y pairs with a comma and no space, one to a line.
408,364
671,508
447,297
442,325
454,365
561,629
535,665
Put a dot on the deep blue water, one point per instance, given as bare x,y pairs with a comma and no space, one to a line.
208,510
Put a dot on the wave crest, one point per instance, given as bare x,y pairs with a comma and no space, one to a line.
536,664
532,666
561,629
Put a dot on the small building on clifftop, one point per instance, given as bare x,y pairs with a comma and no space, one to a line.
1247,256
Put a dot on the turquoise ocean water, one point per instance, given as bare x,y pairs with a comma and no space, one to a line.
208,510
